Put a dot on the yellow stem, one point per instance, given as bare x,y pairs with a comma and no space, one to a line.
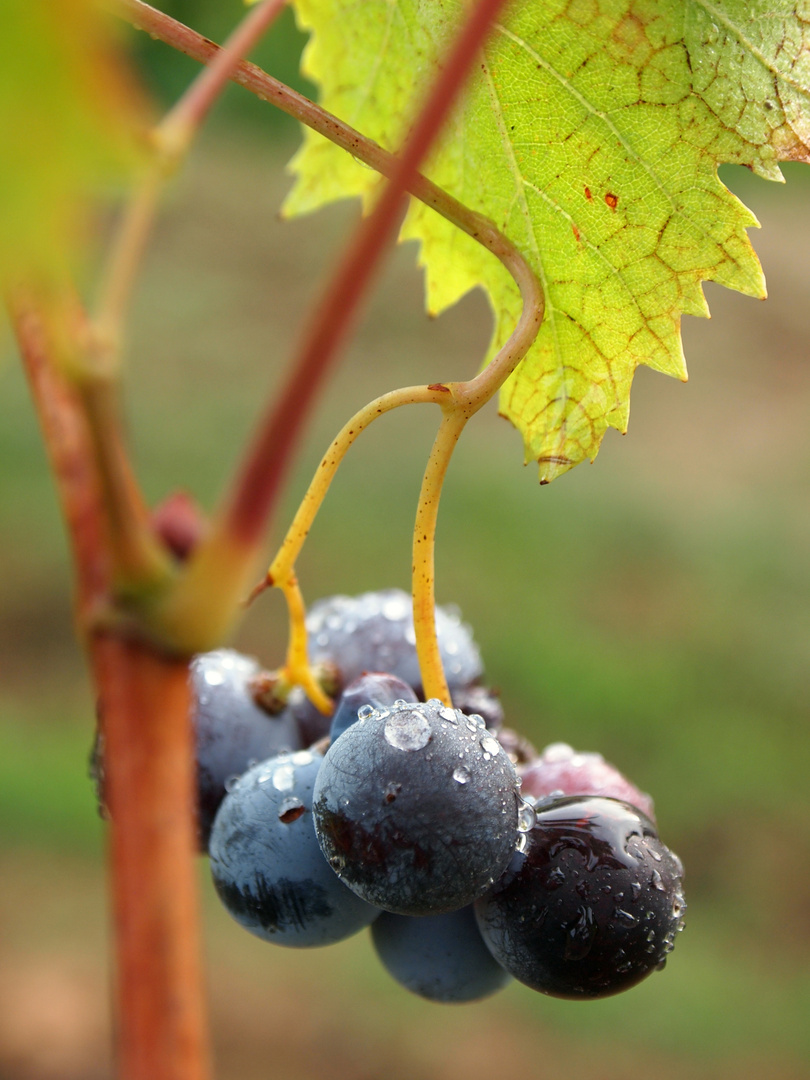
434,682
284,562
297,669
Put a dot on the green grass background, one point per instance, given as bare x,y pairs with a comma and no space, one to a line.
654,606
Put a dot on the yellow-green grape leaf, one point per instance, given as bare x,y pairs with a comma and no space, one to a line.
69,114
590,134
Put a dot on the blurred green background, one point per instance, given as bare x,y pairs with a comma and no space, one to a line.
654,606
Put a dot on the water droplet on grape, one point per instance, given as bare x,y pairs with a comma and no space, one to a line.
625,917
284,778
555,879
364,712
231,782
214,678
490,745
449,715
526,816
461,775
658,881
407,730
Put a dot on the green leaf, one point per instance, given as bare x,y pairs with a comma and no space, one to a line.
591,135
68,114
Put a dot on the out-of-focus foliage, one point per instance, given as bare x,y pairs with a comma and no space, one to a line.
70,118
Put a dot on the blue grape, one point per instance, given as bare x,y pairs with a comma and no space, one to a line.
440,957
231,730
266,863
591,906
372,690
374,632
416,808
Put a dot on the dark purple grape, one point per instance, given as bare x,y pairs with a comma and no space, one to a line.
266,863
370,691
439,957
416,808
591,906
560,770
231,730
374,632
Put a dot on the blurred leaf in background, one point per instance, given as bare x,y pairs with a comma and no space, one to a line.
70,118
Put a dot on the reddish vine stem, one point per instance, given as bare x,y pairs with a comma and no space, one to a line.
148,750
148,780
67,442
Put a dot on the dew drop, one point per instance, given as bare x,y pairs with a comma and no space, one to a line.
214,678
555,879
581,935
364,712
395,609
625,917
635,890
284,778
526,816
301,757
658,881
461,775
449,715
407,730
490,745
231,782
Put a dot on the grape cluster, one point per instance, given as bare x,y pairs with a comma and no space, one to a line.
473,858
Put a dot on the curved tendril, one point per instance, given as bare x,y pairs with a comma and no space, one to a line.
297,670
424,536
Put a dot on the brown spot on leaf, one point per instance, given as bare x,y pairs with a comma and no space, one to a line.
588,195
612,200
575,231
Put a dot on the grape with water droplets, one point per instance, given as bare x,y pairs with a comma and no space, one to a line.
375,632
370,691
231,731
591,906
266,863
416,808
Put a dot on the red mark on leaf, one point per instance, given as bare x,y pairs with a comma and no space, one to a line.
612,200
588,195
575,231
